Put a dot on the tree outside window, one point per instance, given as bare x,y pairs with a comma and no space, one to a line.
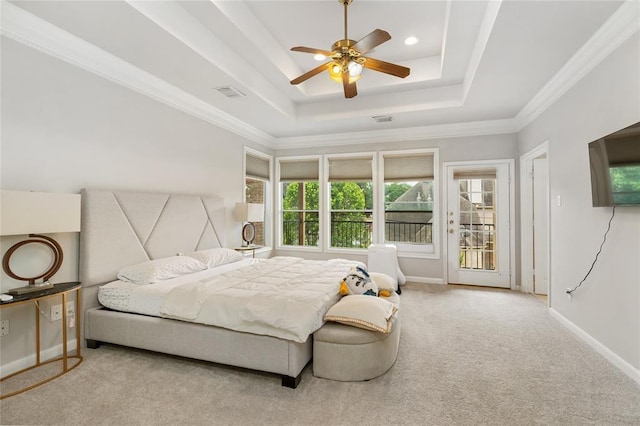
300,214
351,214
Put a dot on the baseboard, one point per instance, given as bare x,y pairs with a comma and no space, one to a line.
425,280
30,360
609,355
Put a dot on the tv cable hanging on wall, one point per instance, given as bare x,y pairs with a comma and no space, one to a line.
571,290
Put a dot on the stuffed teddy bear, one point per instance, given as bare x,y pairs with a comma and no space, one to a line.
359,282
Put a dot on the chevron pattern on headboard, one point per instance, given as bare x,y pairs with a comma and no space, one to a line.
121,228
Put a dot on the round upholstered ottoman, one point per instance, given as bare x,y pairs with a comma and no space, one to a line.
347,353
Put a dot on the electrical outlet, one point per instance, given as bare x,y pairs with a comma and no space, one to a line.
4,327
56,312
71,306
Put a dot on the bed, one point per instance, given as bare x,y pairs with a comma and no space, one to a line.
121,229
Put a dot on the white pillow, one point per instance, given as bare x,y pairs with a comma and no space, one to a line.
383,281
154,271
367,312
216,256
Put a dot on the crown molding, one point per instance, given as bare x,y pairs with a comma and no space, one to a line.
619,27
32,31
440,131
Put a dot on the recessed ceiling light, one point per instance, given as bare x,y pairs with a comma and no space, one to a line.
410,41
319,57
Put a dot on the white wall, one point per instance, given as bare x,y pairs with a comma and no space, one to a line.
489,147
64,129
607,306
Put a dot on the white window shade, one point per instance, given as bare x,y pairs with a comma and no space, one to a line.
257,167
299,171
475,173
26,212
411,167
350,169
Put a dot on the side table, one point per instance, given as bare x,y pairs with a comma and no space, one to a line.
58,290
251,248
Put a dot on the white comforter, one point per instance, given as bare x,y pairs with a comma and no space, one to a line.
284,297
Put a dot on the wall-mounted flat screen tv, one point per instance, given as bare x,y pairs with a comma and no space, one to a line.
615,168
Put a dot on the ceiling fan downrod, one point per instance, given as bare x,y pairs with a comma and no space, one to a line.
346,4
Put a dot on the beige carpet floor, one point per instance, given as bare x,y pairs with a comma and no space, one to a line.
468,356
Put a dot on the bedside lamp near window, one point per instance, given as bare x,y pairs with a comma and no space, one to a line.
33,214
249,212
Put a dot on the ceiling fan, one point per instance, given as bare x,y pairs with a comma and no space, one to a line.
347,59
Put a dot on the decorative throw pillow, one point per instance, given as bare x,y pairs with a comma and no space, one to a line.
216,256
157,270
358,282
383,281
369,313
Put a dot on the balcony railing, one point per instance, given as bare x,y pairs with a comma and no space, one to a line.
355,233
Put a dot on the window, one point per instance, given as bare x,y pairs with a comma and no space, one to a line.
257,174
351,202
300,202
408,197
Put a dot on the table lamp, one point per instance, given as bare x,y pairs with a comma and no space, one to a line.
249,212
33,214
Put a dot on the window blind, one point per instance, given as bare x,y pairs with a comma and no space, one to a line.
350,169
257,167
475,173
408,167
299,170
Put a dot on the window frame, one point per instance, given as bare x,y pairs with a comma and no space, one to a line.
280,211
327,198
422,251
429,251
267,194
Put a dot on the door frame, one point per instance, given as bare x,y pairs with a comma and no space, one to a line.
526,218
512,213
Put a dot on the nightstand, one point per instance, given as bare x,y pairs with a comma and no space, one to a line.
252,248
61,290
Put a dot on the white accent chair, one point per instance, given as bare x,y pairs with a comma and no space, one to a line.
384,258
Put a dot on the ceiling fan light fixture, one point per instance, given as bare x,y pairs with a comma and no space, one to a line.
355,69
318,57
335,72
348,59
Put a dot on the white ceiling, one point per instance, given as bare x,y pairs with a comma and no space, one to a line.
477,61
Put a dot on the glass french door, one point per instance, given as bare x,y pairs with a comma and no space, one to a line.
478,230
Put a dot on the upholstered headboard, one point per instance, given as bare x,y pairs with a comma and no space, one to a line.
121,228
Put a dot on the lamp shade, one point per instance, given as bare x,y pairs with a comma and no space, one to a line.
24,212
249,212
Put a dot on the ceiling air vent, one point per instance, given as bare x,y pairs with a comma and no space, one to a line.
230,92
382,118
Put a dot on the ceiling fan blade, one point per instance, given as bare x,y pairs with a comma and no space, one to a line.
350,89
371,40
386,67
313,50
307,75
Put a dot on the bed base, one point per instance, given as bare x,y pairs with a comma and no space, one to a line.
287,381
198,341
121,228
